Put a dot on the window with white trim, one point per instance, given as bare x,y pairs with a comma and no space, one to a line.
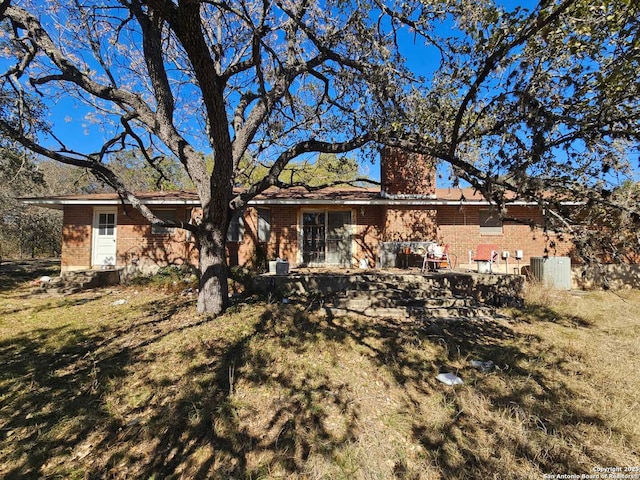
164,214
236,227
264,224
490,223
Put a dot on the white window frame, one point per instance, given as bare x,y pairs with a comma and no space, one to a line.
159,229
235,232
264,225
490,222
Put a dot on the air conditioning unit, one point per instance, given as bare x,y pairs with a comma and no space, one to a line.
552,271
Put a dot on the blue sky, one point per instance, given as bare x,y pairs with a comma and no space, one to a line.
73,128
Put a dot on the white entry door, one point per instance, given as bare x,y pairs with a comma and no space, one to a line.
104,237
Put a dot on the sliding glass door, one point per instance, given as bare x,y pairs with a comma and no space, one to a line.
326,237
313,242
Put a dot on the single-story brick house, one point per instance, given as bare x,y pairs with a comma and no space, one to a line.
335,226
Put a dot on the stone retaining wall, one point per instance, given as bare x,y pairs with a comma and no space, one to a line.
614,277
493,289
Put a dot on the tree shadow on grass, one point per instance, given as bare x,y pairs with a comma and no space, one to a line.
53,383
543,313
531,415
16,272
529,394
538,405
45,390
206,414
201,426
53,302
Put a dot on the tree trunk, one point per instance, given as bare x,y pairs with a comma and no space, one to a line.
213,298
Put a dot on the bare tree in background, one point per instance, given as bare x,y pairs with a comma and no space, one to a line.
25,231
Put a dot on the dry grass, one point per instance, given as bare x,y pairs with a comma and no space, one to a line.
89,389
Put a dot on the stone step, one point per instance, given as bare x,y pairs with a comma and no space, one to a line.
406,297
398,293
59,286
414,312
384,281
454,312
400,287
75,281
361,302
87,281
406,291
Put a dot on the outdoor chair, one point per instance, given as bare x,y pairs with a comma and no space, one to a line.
437,257
486,255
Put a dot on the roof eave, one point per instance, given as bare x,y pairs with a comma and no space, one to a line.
378,201
59,204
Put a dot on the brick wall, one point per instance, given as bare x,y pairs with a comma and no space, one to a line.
457,226
283,242
406,173
413,174
76,238
368,231
406,224
460,228
246,251
447,224
137,245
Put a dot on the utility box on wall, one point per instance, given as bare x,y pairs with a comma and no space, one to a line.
552,271
279,267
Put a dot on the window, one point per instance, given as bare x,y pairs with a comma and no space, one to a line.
490,223
236,228
327,237
106,223
168,215
264,224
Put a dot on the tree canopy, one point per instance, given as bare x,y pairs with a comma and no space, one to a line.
512,99
543,103
325,170
525,100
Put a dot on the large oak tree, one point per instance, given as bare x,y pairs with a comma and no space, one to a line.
542,103
275,80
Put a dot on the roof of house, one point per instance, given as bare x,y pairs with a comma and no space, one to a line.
290,196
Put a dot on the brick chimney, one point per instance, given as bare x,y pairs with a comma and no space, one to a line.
406,174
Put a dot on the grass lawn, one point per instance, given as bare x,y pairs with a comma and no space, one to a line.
93,387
